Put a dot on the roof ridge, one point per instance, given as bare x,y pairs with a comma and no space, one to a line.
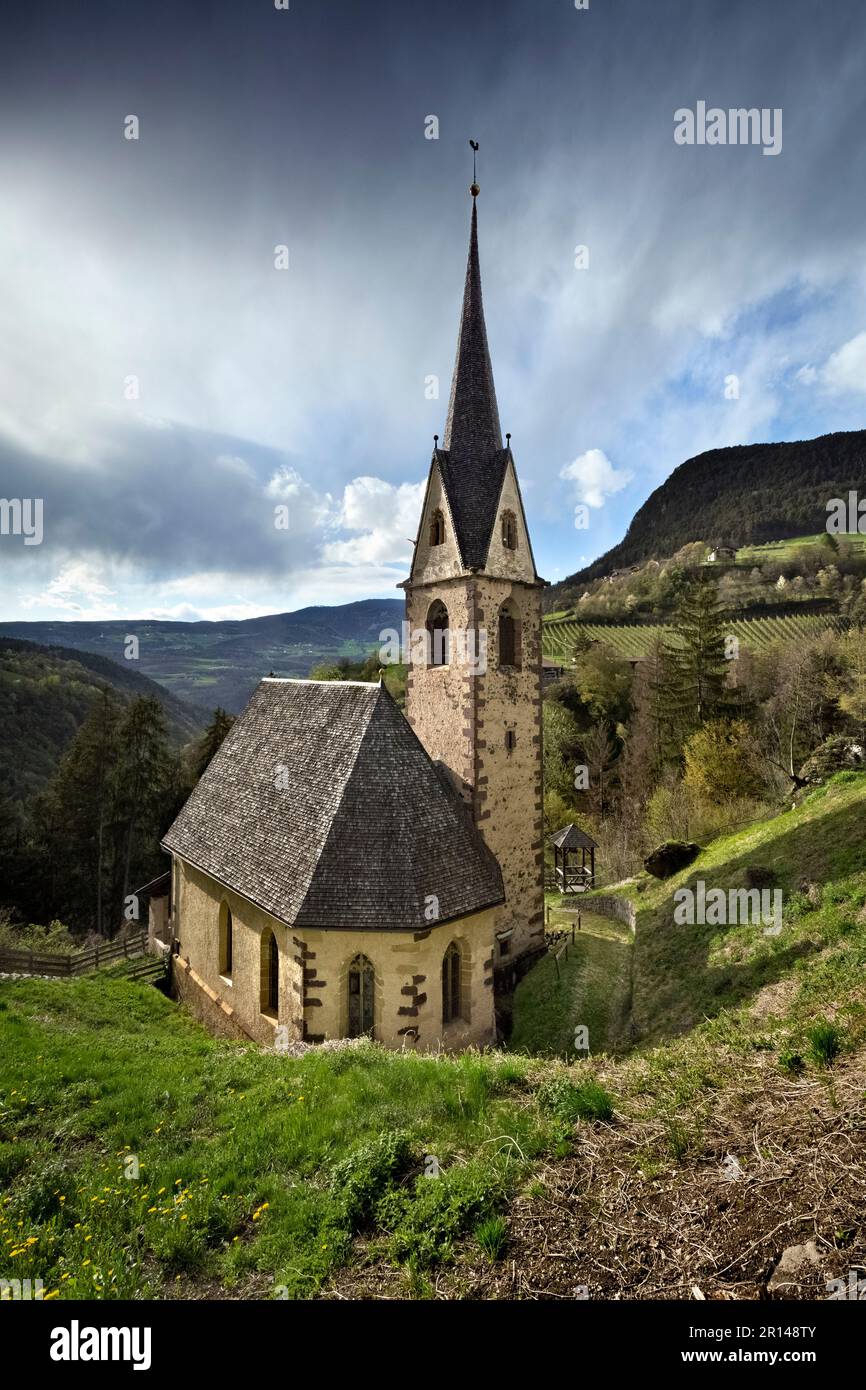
308,680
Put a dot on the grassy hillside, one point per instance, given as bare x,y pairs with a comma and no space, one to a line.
782,552
220,663
816,855
748,494
254,1170
732,1128
45,694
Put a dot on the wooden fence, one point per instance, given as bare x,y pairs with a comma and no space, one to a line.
75,963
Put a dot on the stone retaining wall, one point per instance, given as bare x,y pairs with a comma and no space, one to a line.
620,909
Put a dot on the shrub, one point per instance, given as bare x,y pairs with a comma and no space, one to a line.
825,1043
360,1179
491,1236
569,1102
791,1062
424,1223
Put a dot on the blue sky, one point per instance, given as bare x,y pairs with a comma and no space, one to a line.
163,386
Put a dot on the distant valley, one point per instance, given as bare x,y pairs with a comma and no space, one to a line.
219,663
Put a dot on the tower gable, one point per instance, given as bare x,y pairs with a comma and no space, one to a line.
513,561
432,562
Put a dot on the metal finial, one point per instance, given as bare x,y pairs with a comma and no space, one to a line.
436,440
508,439
474,190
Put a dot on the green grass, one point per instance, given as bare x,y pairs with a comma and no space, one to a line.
570,1101
248,1169
782,552
714,1008
588,987
825,1043
491,1236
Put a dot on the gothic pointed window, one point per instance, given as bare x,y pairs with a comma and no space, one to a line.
225,940
451,1001
270,973
509,530
437,528
509,635
361,985
438,635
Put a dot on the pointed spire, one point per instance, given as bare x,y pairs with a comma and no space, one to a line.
472,429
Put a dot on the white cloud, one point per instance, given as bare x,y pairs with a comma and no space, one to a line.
596,477
77,589
386,518
845,370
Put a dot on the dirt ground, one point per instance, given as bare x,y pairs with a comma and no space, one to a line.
708,1226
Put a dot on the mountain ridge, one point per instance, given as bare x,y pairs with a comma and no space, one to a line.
713,497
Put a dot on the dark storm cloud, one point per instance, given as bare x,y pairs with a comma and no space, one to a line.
306,127
167,497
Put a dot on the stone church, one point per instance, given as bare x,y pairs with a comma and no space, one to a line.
342,869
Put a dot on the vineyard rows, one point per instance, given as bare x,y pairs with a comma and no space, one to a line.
631,640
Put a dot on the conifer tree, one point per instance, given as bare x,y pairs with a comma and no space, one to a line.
84,796
697,667
140,785
211,740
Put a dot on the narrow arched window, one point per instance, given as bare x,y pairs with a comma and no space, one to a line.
451,984
438,635
226,943
437,528
509,635
361,986
509,530
270,973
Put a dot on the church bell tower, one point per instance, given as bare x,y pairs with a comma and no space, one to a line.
474,685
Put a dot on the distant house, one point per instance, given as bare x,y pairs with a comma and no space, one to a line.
724,551
551,671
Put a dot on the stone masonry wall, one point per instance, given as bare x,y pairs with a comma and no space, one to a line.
313,973
463,718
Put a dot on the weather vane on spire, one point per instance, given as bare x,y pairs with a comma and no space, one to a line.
474,190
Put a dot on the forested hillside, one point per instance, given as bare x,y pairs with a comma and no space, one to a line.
45,695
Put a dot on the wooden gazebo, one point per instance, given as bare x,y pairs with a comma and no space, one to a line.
568,876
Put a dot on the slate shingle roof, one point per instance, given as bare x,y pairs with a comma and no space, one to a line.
364,828
473,460
572,837
473,426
